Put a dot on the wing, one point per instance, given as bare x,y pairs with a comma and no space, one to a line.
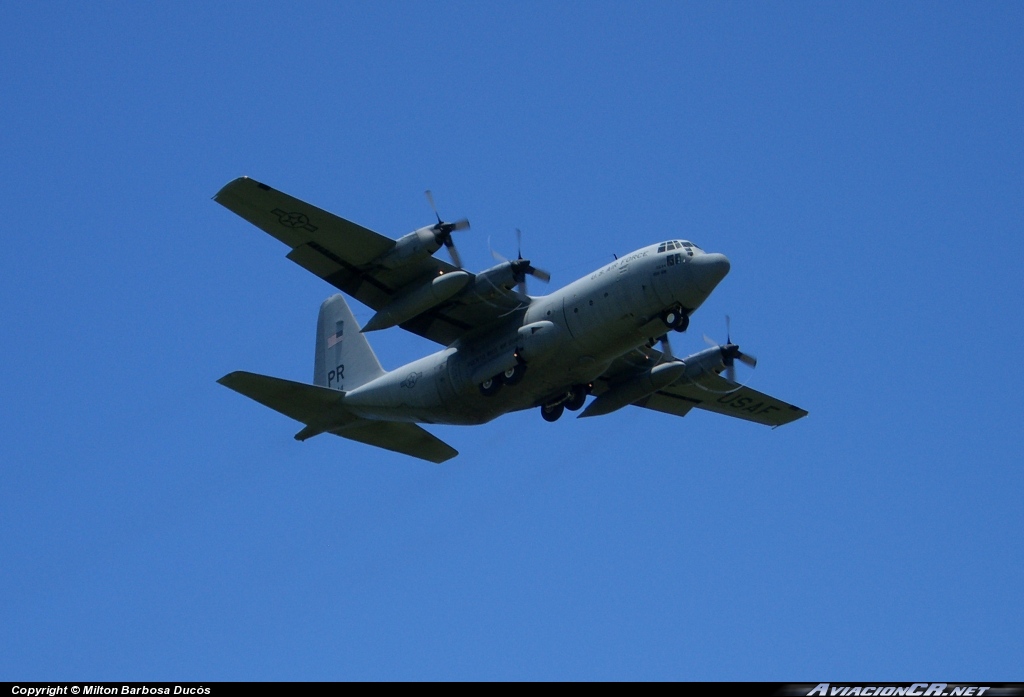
711,392
343,253
715,393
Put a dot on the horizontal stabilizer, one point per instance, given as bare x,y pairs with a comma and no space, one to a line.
322,410
398,437
306,403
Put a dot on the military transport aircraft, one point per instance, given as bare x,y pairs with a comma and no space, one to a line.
503,350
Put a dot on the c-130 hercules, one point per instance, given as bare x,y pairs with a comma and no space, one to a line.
503,349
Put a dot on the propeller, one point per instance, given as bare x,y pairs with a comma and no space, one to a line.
666,349
731,352
443,231
521,268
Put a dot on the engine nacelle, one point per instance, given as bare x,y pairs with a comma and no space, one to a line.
408,248
496,280
706,362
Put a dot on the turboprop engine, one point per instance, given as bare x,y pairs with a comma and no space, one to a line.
493,282
711,361
425,241
408,248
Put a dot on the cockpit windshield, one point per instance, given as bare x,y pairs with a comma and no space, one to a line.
677,244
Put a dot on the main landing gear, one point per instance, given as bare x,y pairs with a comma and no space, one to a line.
552,412
512,376
676,318
571,400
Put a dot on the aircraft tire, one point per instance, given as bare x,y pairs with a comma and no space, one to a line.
552,413
577,398
675,319
490,387
514,375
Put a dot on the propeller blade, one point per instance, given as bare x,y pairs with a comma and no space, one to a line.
540,274
519,243
430,200
747,359
710,342
730,372
521,287
461,224
496,255
728,330
666,348
453,252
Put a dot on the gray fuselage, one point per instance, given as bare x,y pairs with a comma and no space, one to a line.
564,339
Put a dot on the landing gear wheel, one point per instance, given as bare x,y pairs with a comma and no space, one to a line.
577,396
490,387
513,375
676,319
552,413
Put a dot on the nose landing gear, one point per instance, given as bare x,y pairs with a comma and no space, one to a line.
676,318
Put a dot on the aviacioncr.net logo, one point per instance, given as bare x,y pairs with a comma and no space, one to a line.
918,689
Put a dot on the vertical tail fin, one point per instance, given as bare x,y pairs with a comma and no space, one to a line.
344,359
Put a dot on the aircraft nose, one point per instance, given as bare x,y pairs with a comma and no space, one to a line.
708,270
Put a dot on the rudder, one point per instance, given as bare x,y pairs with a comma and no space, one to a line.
344,359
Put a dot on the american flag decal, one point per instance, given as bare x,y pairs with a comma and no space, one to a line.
335,338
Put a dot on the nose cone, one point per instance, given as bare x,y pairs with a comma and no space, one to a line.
708,270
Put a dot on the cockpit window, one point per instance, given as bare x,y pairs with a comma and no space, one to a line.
676,244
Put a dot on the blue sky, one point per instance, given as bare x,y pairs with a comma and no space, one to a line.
861,164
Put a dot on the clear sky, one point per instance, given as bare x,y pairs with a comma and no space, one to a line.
861,164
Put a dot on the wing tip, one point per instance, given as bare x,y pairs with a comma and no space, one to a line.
445,457
232,378
226,380
243,180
